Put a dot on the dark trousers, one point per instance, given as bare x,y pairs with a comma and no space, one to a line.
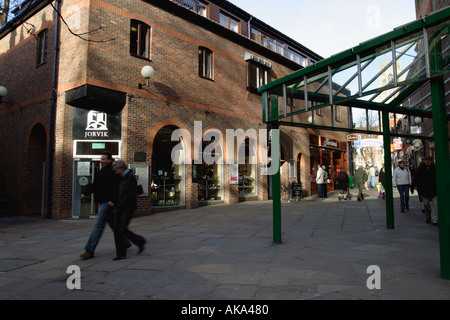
121,232
404,196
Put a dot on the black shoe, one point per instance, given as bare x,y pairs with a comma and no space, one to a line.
142,247
120,258
435,224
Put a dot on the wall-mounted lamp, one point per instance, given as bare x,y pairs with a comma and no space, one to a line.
310,119
3,92
418,120
147,72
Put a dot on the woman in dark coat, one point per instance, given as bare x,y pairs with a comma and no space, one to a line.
125,207
342,184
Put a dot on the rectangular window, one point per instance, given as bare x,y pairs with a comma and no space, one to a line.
201,9
41,52
258,75
205,63
140,39
256,36
229,22
337,114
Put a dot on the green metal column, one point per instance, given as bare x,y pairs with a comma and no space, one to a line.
442,170
388,172
441,149
276,184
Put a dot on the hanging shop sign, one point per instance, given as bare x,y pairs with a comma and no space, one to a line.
398,144
96,125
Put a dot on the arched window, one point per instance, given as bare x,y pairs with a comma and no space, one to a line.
167,186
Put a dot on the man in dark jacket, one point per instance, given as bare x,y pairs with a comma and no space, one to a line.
427,188
125,206
105,189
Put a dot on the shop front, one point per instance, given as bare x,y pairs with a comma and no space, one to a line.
168,170
93,132
330,153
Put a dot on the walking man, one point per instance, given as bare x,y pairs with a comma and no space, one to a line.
360,179
105,189
402,180
426,187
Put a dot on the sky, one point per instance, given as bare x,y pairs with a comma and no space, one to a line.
328,27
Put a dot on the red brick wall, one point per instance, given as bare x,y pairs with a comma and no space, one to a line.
177,95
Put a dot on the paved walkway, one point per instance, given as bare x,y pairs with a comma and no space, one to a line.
226,252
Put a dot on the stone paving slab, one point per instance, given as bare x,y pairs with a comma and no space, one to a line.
225,252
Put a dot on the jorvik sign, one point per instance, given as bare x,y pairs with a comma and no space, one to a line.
95,125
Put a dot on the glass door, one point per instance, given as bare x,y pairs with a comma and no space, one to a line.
83,174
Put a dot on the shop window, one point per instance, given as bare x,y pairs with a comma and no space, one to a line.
247,169
209,174
257,75
167,186
41,52
205,63
140,39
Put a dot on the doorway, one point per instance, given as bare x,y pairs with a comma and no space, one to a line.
84,171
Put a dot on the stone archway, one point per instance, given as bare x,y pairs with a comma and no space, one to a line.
35,172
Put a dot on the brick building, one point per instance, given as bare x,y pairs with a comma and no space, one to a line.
414,150
73,74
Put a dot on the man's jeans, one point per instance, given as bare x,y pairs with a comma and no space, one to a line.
105,214
404,196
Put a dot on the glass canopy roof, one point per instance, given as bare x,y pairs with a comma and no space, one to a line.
381,74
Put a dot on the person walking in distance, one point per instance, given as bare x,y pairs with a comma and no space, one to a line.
402,180
343,184
427,188
105,189
321,181
125,206
360,179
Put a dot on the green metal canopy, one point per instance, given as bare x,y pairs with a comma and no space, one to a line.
379,80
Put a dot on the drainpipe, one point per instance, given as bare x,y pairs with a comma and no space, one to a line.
51,142
249,28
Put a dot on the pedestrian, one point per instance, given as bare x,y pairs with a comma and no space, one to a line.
427,188
360,179
381,175
325,184
321,181
372,173
342,184
366,184
105,189
402,180
125,206
412,170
